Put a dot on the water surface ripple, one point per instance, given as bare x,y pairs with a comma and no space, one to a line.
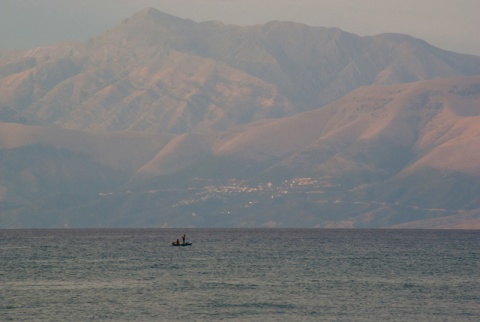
240,275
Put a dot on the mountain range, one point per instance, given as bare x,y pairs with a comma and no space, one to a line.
163,121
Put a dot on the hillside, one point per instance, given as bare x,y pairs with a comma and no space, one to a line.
429,124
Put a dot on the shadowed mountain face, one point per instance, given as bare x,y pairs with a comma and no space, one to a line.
385,128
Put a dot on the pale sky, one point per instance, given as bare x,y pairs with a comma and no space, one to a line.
448,24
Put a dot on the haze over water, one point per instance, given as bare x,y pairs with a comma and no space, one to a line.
240,275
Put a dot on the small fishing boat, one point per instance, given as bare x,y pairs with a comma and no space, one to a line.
184,242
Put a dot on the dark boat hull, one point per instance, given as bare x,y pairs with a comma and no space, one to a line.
185,244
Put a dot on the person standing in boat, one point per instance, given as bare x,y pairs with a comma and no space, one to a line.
183,238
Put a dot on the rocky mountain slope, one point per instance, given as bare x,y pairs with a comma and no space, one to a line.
158,73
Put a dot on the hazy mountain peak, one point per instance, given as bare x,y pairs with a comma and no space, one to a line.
155,16
152,14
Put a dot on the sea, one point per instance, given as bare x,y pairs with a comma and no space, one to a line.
240,275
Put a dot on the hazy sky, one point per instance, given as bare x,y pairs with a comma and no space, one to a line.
449,24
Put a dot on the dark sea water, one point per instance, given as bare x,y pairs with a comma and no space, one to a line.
240,275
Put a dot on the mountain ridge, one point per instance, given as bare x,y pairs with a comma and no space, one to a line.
299,67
